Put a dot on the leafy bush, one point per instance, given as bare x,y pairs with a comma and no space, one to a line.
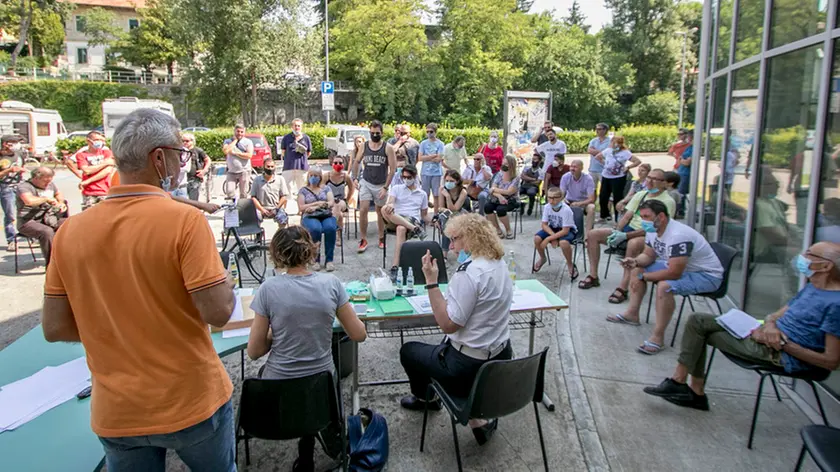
660,107
77,101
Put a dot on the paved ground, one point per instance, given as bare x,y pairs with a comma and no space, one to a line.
603,421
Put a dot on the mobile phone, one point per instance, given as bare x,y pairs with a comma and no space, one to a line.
360,308
84,393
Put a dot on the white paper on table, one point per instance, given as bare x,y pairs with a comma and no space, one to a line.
524,300
238,314
231,218
235,333
28,398
421,304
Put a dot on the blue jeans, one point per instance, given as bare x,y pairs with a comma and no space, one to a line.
7,201
206,446
690,283
327,227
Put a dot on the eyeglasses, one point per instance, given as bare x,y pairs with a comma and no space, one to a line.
184,153
655,179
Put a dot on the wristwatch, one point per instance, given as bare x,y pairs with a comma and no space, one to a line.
431,286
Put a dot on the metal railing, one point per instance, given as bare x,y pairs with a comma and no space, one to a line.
124,77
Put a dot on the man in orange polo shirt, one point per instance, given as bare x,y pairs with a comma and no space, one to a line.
139,295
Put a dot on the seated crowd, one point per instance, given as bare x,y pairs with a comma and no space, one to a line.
140,407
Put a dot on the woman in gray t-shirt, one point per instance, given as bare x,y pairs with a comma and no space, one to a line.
294,318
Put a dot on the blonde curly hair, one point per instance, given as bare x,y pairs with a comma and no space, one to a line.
479,235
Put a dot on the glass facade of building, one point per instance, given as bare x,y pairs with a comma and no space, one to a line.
768,166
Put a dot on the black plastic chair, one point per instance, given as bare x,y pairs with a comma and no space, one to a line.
619,251
289,409
249,222
412,254
500,388
31,251
821,442
769,370
408,238
726,255
579,241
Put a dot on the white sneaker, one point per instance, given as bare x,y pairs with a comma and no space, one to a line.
11,247
316,266
330,267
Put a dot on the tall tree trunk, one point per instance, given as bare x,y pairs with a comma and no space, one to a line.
254,96
25,22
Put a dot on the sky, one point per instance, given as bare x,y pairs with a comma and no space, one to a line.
597,15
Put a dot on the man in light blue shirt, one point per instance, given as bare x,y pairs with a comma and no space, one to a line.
431,155
596,146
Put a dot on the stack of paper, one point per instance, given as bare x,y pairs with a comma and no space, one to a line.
738,323
28,398
525,300
421,304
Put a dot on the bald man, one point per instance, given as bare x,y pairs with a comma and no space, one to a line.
802,335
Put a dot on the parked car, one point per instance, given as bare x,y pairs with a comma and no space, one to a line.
262,150
342,143
193,129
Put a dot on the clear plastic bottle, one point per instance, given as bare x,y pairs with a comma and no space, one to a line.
511,267
409,283
233,268
400,287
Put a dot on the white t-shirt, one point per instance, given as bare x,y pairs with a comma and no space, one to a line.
558,219
680,240
548,150
478,298
594,165
409,202
471,174
614,163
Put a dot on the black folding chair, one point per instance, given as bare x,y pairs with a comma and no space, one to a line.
769,370
726,255
500,388
579,241
289,409
412,254
31,251
821,442
619,251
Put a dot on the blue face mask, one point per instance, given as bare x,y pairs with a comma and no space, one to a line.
557,207
463,256
449,185
803,265
648,226
653,190
314,180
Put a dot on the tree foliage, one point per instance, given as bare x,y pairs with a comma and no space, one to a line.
659,107
576,17
152,43
100,27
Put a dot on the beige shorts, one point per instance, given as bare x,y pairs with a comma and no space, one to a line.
368,191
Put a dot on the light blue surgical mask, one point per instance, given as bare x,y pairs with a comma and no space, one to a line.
648,226
653,190
98,144
463,256
557,206
803,265
449,185
314,180
409,182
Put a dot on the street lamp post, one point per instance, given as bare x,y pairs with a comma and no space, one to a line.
327,45
684,34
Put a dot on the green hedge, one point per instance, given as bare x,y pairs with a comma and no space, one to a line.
639,138
77,101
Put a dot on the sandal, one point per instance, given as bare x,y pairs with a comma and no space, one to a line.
619,295
575,274
589,282
499,233
620,319
650,348
539,265
509,235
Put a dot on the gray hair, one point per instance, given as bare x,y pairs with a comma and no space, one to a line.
578,162
494,133
140,133
42,171
460,139
297,120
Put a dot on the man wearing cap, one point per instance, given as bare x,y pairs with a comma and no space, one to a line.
97,166
11,169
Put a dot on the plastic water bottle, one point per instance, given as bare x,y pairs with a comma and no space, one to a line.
409,283
233,269
400,279
511,267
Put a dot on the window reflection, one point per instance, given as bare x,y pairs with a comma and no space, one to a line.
715,143
750,29
733,169
784,177
724,33
792,20
828,209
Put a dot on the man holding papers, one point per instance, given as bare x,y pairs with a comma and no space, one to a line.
678,259
802,335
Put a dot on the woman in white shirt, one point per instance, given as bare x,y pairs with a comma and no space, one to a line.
474,315
614,175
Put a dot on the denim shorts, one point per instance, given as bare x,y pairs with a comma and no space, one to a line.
691,283
431,183
570,236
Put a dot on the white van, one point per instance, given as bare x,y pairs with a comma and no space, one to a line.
114,110
39,127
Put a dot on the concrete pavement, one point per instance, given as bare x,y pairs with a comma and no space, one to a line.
603,420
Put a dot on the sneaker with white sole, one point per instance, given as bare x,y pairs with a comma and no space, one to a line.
330,267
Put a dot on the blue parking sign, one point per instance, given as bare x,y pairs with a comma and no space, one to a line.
327,87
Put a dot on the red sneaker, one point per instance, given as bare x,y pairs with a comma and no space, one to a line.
362,246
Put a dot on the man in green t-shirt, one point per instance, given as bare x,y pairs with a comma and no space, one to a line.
454,155
629,231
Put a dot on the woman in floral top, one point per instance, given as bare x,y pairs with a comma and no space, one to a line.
503,196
